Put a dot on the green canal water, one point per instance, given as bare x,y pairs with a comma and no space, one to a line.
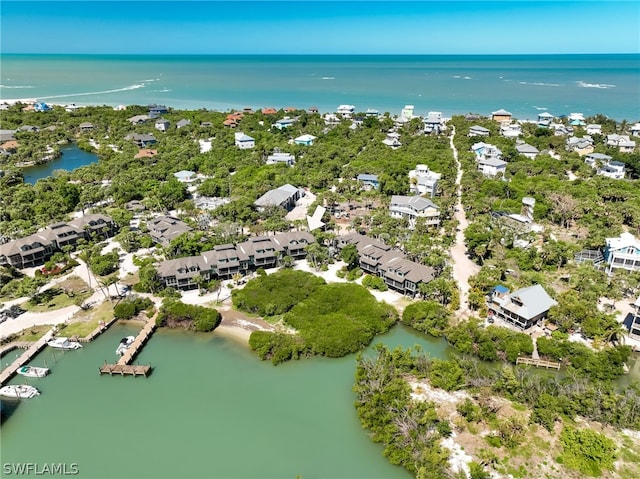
210,409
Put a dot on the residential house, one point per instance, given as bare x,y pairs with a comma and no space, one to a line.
313,110
269,111
596,160
392,140
501,115
622,253
407,113
156,110
284,197
582,146
139,119
163,229
281,157
183,273
305,140
377,258
244,142
606,166
29,128
414,207
331,119
376,113
635,129
226,260
182,123
545,119
7,135
369,182
345,110
491,166
10,146
206,124
523,308
622,142
527,150
576,119
478,130
486,150
37,248
423,181
634,330
593,129
433,122
41,106
285,122
86,126
162,124
142,140
561,130
510,130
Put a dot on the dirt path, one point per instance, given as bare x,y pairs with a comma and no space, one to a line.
463,267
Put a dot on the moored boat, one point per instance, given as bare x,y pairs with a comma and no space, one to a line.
124,345
21,391
32,371
63,343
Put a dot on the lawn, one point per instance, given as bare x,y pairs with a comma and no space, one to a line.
33,333
84,322
72,291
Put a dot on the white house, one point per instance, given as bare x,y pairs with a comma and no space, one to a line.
491,166
605,166
162,124
527,150
622,142
423,181
244,142
576,119
510,130
305,140
392,140
635,129
346,110
478,130
433,122
414,207
486,150
582,146
594,129
622,252
286,122
407,112
281,157
545,119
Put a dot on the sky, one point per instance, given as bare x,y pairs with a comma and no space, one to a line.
320,27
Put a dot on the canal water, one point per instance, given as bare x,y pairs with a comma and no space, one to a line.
71,158
210,409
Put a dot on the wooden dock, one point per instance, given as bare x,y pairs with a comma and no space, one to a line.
8,372
124,367
7,348
96,332
539,363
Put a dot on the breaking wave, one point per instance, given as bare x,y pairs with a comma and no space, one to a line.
117,90
16,86
582,84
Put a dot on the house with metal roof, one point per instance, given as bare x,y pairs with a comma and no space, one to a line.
523,308
369,182
622,252
162,124
527,150
414,207
244,142
501,115
305,140
423,181
281,157
491,167
182,123
478,130
284,197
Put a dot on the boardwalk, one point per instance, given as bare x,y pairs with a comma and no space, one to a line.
7,348
124,367
24,358
540,363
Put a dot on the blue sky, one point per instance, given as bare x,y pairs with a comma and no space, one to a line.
273,27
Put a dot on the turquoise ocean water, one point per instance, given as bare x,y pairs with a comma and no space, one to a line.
452,84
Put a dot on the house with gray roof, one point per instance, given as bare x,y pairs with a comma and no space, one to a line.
490,167
162,124
86,126
141,139
527,150
414,207
523,308
284,197
183,273
582,146
163,229
423,181
244,142
478,130
622,252
368,181
379,259
182,123
281,157
139,119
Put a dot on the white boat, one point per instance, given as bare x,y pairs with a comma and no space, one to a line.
22,391
124,345
33,372
63,343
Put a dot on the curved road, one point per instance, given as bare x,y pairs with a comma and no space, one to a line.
463,267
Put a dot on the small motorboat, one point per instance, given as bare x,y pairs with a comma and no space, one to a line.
124,345
63,343
20,391
33,372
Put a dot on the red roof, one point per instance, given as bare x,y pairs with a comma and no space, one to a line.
269,111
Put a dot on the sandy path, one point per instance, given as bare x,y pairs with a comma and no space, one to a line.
463,267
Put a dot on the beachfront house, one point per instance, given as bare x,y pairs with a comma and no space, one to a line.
407,113
368,182
244,142
41,106
305,140
545,119
510,130
283,197
478,130
433,122
622,252
414,207
423,181
635,129
576,119
527,150
523,308
501,115
345,110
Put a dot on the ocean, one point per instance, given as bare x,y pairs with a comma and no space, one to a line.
452,84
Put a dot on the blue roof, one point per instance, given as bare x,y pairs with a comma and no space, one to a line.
501,289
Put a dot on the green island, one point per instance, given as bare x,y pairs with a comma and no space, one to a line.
517,249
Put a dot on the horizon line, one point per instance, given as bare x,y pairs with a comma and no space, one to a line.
315,54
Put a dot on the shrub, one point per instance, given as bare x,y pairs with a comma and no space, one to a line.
374,282
587,451
427,316
175,313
